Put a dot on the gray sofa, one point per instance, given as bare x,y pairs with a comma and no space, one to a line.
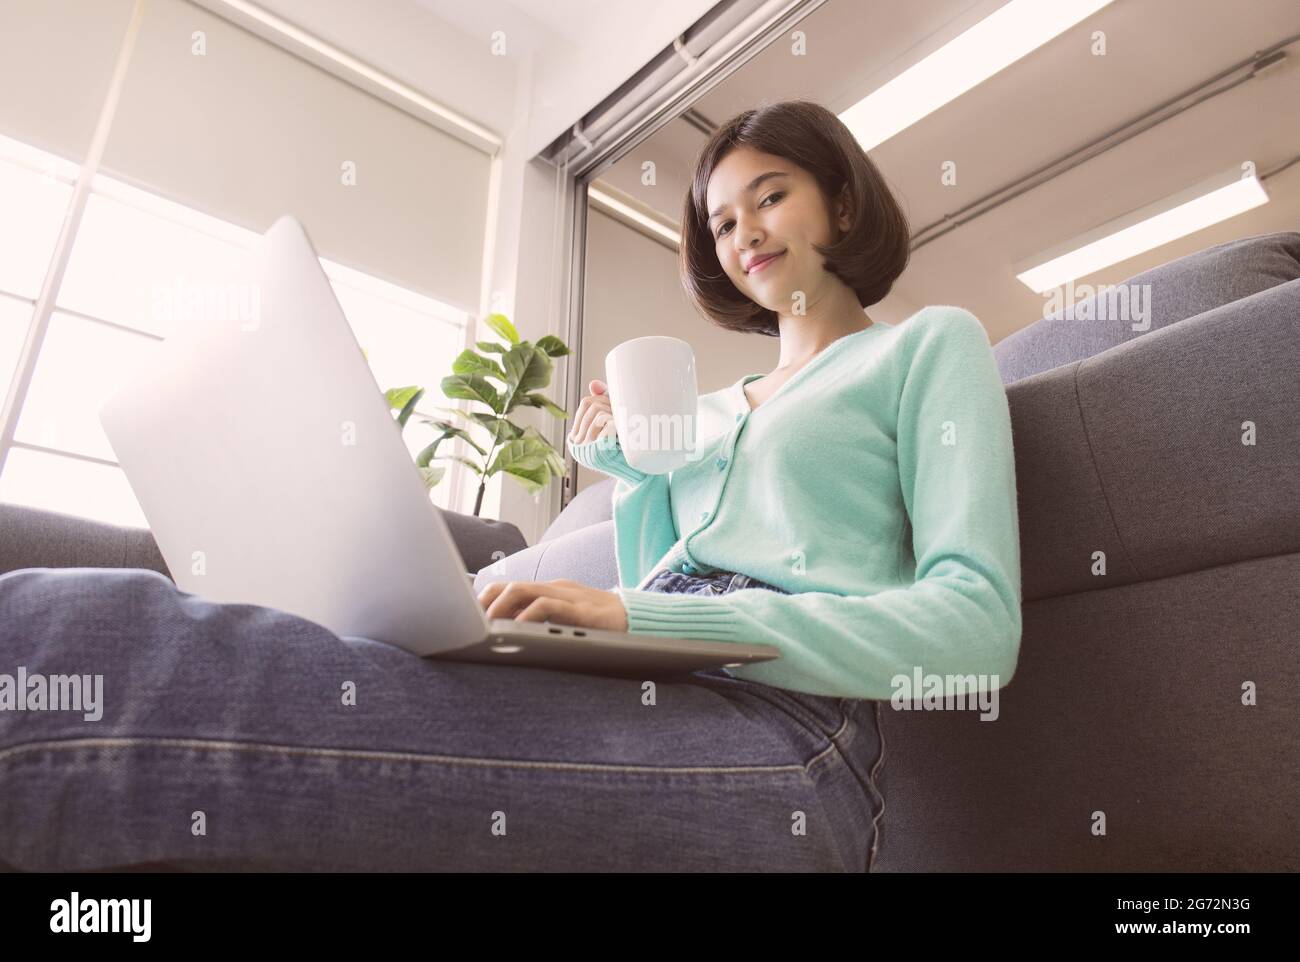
31,538
1128,697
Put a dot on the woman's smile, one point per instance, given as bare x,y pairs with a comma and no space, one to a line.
761,265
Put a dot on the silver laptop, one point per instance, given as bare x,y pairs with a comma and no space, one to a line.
272,472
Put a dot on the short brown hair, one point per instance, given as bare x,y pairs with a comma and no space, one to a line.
868,258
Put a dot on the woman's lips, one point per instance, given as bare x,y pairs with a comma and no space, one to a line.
763,263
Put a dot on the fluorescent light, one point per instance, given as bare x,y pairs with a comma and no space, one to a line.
997,41
1209,202
615,202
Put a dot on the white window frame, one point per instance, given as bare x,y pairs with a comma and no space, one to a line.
86,180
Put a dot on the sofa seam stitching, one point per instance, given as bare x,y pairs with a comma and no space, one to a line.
1096,470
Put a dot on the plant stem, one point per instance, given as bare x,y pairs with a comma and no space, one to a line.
482,485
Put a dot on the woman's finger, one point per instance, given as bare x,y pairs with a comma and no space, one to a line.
489,594
597,406
508,601
602,424
583,407
509,598
551,609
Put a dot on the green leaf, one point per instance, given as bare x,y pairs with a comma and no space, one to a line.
468,463
541,401
432,475
553,346
409,407
499,428
534,479
502,327
555,464
528,453
490,346
472,387
427,453
398,396
450,430
470,363
526,368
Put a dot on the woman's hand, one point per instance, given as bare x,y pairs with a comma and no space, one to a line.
560,601
595,415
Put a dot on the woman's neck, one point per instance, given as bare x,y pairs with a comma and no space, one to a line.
804,336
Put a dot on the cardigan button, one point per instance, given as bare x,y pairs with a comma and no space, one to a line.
739,415
722,463
688,569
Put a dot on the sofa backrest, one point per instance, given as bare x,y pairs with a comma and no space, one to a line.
1177,290
1172,453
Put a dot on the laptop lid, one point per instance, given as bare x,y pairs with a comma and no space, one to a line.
272,472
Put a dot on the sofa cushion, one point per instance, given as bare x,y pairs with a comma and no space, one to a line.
585,555
1138,452
1178,289
591,505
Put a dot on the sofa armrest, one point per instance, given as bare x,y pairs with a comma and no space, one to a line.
35,538
1138,451
483,541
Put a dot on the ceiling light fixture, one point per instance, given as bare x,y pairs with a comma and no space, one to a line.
1212,200
997,41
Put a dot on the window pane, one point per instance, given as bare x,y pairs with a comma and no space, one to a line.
81,365
83,488
418,436
33,205
247,132
15,315
403,346
131,266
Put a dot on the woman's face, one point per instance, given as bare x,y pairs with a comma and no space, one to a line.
783,213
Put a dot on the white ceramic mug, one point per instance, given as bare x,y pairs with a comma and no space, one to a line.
655,397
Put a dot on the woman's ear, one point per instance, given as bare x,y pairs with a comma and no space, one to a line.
844,210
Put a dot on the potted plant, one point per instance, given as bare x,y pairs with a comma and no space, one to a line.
521,453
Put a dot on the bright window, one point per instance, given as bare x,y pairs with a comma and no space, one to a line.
55,482
15,314
133,248
34,191
81,365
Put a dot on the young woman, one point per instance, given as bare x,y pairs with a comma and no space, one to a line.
855,508
869,476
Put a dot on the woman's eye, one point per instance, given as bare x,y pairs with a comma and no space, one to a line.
775,193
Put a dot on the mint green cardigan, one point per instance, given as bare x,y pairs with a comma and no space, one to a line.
877,484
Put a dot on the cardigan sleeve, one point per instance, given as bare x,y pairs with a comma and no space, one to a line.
644,527
605,454
961,615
